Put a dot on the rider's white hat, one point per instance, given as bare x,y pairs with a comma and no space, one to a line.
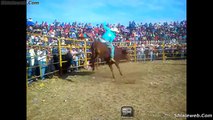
115,29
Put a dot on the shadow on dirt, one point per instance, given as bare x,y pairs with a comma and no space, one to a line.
83,73
175,64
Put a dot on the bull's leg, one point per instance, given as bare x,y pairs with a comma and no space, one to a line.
117,65
110,66
97,61
93,68
93,60
97,58
93,64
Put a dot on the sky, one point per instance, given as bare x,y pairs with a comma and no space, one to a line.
110,11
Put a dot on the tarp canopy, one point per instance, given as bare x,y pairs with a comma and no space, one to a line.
30,23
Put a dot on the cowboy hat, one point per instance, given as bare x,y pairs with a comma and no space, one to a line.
115,29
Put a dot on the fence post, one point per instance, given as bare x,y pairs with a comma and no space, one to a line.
135,52
163,51
27,78
60,55
85,52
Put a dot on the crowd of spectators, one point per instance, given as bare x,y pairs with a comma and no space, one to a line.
148,37
170,32
155,51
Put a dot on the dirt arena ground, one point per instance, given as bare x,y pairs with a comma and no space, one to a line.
155,90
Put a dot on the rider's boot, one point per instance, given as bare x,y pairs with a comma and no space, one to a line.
112,59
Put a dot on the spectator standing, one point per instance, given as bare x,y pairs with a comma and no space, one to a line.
32,60
69,59
142,49
82,55
42,61
141,53
151,50
29,71
75,58
138,53
36,69
182,51
50,61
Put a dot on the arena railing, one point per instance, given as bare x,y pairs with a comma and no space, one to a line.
132,46
59,47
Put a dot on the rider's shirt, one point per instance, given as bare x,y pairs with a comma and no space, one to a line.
109,35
